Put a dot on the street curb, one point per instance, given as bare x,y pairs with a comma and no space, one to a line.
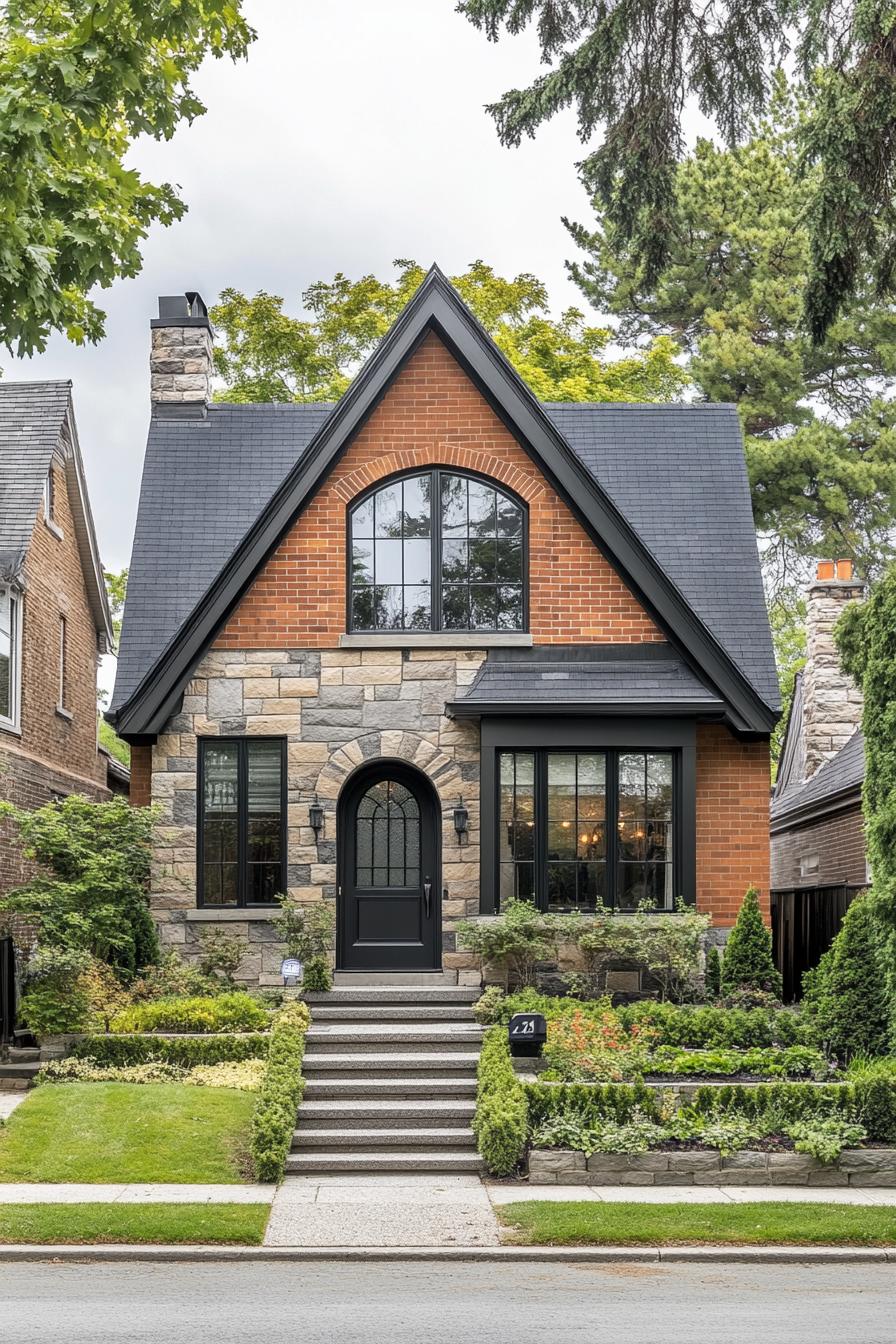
569,1255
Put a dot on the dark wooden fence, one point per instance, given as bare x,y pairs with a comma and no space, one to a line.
804,924
7,990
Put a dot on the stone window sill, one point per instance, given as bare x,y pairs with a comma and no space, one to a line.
230,913
443,639
7,726
64,713
55,529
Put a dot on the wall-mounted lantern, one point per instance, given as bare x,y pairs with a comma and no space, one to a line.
316,816
461,818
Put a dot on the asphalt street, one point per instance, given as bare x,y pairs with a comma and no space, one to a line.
432,1303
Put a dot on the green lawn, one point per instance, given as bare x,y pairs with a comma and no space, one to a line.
580,1223
111,1132
56,1224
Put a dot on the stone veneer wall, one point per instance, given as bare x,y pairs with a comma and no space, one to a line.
832,703
854,1167
336,708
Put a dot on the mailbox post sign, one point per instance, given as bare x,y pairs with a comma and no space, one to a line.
527,1033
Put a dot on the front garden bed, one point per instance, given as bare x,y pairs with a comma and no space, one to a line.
854,1167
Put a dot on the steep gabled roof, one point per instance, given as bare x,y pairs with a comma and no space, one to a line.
35,420
627,482
835,785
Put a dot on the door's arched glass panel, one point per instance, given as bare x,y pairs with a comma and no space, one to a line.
387,837
437,551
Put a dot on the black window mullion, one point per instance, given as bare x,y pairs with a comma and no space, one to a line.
541,829
435,549
612,825
242,822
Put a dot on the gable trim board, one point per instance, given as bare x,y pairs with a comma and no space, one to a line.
437,308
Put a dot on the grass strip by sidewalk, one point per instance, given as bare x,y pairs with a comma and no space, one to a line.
580,1223
126,1132
163,1224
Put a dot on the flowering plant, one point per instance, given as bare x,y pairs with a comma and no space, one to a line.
594,1047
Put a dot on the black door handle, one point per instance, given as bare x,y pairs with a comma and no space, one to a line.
427,898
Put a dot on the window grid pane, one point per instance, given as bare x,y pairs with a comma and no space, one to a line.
645,831
242,821
8,636
475,546
576,830
387,837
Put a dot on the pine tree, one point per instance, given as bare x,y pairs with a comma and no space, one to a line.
713,975
747,963
846,994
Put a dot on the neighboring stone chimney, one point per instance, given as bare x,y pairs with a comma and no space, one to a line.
180,360
832,703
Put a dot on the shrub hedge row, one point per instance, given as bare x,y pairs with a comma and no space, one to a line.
185,1051
871,1103
274,1117
223,1012
501,1121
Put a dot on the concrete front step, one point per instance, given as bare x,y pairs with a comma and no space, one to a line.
415,979
15,1072
372,1140
385,994
393,1112
397,1064
413,1088
396,1013
362,1160
359,1038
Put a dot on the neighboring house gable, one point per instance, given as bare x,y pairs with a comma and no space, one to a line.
51,575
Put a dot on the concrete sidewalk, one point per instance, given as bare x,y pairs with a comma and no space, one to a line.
870,1196
23,1193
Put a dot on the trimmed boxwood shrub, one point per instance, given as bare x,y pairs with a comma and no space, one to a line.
224,1012
501,1122
603,1101
185,1051
274,1117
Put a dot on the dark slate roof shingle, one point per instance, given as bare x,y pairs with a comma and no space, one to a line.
844,771
31,416
677,473
609,676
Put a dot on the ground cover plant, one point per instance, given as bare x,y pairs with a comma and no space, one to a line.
588,1223
245,1075
162,1224
102,1132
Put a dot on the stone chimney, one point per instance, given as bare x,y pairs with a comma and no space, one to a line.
180,360
832,703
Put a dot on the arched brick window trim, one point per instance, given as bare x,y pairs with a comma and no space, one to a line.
456,573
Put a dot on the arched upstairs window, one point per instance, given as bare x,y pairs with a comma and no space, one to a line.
437,550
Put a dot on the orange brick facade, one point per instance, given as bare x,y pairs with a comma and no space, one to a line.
433,414
732,821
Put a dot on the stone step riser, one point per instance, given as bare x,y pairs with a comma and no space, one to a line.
401,1088
379,998
419,1065
305,1163
394,979
377,1140
459,1015
318,1046
361,1125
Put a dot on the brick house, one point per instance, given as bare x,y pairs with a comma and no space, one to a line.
54,615
547,669
817,826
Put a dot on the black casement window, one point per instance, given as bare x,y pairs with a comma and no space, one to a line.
242,820
578,829
437,551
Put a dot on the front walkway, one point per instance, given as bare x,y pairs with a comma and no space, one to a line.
23,1193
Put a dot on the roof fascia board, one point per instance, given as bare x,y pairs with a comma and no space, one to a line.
86,537
839,801
473,709
435,306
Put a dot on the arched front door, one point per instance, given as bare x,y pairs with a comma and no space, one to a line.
389,908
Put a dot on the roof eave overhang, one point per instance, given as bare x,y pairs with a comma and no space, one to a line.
800,814
436,307
85,532
477,709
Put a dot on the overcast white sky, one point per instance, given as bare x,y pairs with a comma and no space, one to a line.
352,135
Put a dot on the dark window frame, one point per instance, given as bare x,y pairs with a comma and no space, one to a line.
435,473
583,735
242,746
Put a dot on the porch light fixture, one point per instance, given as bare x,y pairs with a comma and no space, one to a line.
461,818
315,816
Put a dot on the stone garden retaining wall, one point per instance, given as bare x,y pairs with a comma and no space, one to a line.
857,1166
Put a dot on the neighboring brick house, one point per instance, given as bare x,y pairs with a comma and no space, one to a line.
817,826
547,669
54,616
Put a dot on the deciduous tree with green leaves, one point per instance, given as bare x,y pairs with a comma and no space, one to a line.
263,354
630,70
79,81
